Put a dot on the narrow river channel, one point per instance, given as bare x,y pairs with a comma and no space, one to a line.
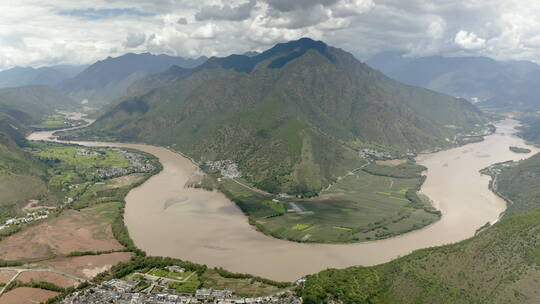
164,218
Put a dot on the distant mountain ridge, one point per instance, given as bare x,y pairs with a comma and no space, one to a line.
293,117
24,76
110,78
496,84
30,104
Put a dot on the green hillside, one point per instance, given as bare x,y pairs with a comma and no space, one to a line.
519,183
21,177
507,85
31,104
500,265
530,128
293,118
109,79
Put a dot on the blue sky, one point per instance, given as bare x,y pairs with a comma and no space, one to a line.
92,13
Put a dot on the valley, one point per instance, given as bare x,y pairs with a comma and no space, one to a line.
295,174
187,220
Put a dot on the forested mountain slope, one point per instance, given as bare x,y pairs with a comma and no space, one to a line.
293,117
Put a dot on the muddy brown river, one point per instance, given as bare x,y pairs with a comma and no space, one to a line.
164,218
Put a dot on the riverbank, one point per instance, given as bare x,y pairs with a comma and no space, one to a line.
166,219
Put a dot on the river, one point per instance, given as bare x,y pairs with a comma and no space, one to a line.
164,218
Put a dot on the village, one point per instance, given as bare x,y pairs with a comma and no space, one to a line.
146,288
139,164
227,168
29,217
105,294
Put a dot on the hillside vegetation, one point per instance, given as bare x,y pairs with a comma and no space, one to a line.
293,118
530,128
519,183
360,206
501,85
21,177
31,104
25,76
109,79
500,265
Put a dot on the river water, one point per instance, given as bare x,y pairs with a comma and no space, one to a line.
164,218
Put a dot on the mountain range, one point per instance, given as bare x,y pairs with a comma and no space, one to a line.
30,104
51,76
503,85
293,117
109,79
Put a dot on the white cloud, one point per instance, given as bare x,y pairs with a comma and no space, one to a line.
207,31
226,12
134,40
352,7
469,40
46,32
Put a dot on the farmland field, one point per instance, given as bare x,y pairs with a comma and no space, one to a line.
85,230
26,295
169,274
57,121
244,287
190,286
87,266
44,276
377,202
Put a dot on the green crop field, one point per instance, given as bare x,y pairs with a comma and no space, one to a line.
55,122
190,286
74,156
68,164
301,227
277,206
73,171
159,272
243,287
359,207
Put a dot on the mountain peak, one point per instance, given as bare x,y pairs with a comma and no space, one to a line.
281,54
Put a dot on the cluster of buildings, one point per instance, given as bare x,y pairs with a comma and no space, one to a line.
122,292
29,217
227,168
139,164
375,154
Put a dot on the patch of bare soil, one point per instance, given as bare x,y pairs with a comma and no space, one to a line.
124,181
86,267
6,275
33,205
44,276
391,162
85,230
27,295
